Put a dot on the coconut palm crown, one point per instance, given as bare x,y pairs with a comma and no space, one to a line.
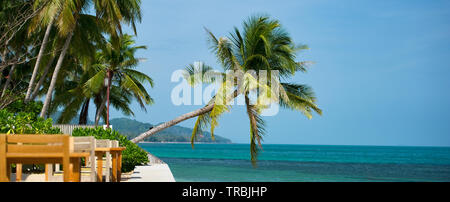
261,45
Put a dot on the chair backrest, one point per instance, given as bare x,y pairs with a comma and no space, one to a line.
84,144
21,144
114,144
103,143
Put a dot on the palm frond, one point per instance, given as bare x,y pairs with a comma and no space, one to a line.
200,125
301,98
257,130
200,73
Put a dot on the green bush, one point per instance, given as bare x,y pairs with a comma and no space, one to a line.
19,106
132,156
25,123
21,118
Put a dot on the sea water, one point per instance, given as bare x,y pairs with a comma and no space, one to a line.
303,163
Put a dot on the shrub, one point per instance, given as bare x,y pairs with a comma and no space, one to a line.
21,118
25,123
19,106
132,156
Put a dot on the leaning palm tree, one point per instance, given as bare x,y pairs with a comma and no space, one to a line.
49,11
262,45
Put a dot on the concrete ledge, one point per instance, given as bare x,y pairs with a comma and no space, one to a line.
150,173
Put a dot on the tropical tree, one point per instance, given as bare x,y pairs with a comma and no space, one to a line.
87,38
46,17
262,45
111,12
84,82
16,49
14,19
115,66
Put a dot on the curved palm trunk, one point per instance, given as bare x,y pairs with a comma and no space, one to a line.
41,80
180,119
55,75
8,80
38,61
84,112
99,112
173,122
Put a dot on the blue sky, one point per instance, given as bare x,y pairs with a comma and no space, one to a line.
381,71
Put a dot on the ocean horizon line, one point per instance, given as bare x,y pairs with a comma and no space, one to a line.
337,145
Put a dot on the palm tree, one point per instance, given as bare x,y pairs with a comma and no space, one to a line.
85,82
116,64
50,10
263,45
111,12
87,37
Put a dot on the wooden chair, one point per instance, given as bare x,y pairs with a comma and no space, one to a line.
113,161
87,145
108,158
116,152
82,145
39,149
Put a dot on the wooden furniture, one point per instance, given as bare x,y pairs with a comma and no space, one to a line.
113,153
81,145
39,149
116,153
87,145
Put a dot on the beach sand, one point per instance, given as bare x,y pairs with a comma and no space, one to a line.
150,173
147,173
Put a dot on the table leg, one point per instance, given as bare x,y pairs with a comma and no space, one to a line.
99,167
66,167
47,170
3,162
114,166
19,172
76,166
8,172
119,166
3,172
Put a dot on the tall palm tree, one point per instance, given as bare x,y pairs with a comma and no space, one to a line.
50,10
263,45
87,37
116,64
112,13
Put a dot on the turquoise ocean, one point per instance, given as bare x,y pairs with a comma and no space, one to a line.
303,163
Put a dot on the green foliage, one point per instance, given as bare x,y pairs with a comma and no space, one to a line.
132,156
21,118
20,106
25,123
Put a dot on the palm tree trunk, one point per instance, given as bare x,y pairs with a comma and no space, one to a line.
180,119
109,74
55,75
84,112
41,80
38,61
173,122
100,111
8,80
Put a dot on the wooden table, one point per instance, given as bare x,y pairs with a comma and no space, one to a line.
73,174
116,154
39,149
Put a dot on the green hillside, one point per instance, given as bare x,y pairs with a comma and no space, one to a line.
133,128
